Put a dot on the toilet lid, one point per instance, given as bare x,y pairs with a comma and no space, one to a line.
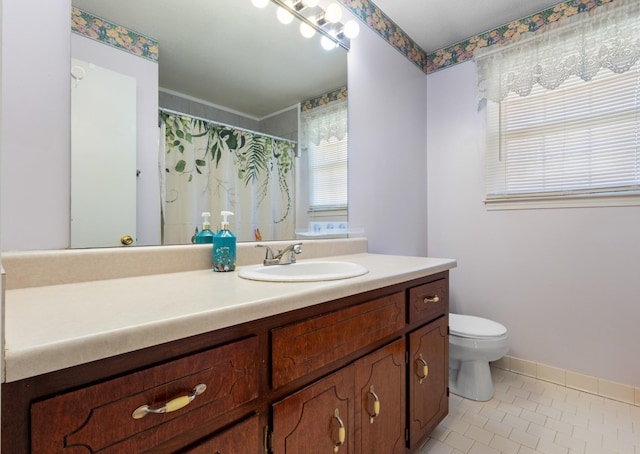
470,326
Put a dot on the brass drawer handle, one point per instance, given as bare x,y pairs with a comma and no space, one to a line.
172,405
424,369
376,405
342,433
431,299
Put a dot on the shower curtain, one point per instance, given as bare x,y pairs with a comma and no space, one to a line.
210,167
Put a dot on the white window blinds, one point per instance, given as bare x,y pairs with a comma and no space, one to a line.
328,175
324,137
576,140
563,112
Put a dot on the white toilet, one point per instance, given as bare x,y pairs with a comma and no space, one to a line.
473,343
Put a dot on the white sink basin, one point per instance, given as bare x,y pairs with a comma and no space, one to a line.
310,271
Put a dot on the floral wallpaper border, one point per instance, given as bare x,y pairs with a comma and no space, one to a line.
96,28
86,24
326,98
380,23
464,50
375,19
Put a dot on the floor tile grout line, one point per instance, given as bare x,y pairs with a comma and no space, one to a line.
559,412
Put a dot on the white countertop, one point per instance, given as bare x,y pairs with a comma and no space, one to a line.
52,327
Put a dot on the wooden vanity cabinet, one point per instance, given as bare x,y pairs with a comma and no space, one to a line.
364,374
381,400
146,408
360,408
317,419
428,373
243,437
428,379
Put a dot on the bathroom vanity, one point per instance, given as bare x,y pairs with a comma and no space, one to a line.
202,362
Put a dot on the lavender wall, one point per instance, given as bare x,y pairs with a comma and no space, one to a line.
563,281
35,136
387,147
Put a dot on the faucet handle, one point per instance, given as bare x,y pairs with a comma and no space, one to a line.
288,255
269,254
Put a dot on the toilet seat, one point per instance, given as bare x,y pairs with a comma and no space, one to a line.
470,326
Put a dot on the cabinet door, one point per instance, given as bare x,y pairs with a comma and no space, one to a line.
244,437
380,410
318,419
428,378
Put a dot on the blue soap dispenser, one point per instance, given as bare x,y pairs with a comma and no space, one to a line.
224,246
205,236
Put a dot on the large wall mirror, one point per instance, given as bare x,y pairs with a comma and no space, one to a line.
221,60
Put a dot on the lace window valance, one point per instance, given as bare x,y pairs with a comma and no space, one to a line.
606,37
323,123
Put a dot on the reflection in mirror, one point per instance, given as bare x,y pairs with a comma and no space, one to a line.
103,154
220,60
212,168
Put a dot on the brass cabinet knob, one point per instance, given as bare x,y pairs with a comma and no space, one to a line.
127,240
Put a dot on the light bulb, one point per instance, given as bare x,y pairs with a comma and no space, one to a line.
333,13
306,30
351,29
310,3
284,16
260,3
327,44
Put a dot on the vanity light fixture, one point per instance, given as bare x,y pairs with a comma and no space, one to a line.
307,30
327,43
351,29
260,3
333,13
315,18
284,15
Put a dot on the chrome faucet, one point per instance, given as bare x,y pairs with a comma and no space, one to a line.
285,256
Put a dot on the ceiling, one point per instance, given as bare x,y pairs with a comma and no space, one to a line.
229,53
435,24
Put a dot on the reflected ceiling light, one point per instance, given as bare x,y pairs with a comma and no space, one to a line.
351,29
284,16
260,3
307,30
314,17
327,43
333,13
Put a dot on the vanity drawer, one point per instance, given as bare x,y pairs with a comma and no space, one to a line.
101,417
429,301
307,346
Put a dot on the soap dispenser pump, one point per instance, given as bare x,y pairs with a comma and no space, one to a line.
224,246
205,236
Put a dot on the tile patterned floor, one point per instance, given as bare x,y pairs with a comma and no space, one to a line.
529,416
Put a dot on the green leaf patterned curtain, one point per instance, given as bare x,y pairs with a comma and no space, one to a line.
210,167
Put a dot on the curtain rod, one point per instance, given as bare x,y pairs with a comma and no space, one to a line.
175,112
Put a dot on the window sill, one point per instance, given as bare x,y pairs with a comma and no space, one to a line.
565,201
